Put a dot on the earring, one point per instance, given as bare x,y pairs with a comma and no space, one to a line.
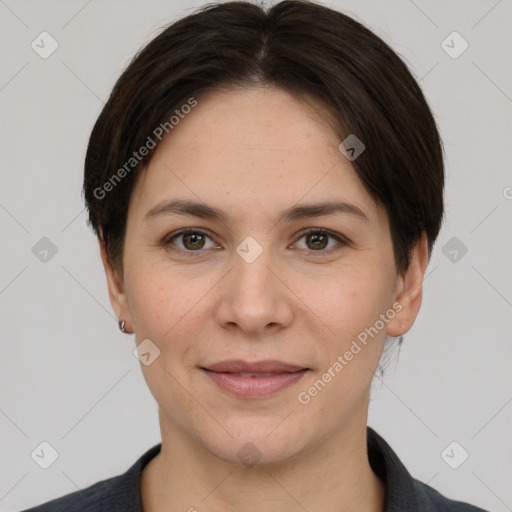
122,325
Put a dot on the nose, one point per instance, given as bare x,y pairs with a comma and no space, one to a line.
254,297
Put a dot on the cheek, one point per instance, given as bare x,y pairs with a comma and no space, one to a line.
152,307
350,307
165,309
161,302
350,300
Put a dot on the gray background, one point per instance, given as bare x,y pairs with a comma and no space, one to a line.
68,376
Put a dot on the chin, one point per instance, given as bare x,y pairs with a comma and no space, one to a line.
256,442
251,454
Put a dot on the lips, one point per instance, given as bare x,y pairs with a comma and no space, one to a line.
261,367
254,380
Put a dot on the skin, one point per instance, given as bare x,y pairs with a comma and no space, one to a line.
254,152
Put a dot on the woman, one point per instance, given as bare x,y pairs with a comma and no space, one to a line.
266,187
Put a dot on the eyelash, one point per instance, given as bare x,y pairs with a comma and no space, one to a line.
167,241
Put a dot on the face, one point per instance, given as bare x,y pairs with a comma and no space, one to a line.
313,291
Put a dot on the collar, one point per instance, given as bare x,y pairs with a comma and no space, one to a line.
400,491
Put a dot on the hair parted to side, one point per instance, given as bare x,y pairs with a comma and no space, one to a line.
307,49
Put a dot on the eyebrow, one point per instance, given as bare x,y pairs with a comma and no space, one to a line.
296,212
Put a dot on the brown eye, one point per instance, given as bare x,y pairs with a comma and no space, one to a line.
193,241
318,241
190,240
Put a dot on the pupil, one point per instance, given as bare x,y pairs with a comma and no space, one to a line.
316,238
195,238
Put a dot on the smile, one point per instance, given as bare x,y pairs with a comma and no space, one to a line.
254,380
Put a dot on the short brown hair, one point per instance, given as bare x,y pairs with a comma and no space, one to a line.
304,48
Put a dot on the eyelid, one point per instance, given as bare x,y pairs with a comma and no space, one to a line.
341,239
167,240
324,231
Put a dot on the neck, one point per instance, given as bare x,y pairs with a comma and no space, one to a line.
332,476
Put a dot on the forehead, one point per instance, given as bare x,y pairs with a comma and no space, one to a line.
253,147
266,120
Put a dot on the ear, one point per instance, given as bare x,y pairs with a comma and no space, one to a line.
409,290
115,287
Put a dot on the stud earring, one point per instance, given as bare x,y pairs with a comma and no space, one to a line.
122,327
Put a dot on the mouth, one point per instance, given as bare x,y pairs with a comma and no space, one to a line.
254,380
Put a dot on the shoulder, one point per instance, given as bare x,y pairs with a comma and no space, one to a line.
403,492
101,496
429,499
120,493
